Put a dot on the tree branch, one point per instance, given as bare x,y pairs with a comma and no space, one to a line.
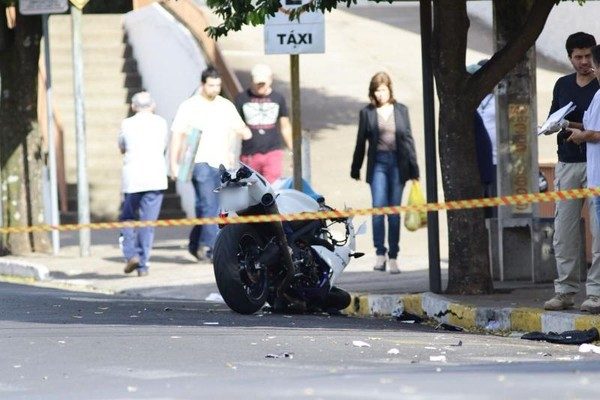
484,80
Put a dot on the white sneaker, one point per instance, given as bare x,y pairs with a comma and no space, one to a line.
393,266
379,264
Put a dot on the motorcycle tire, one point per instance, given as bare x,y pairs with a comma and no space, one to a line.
337,299
242,294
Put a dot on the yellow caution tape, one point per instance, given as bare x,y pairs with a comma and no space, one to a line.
529,198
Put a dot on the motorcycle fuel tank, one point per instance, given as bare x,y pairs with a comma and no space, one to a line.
290,201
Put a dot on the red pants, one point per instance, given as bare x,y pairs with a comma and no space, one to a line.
269,165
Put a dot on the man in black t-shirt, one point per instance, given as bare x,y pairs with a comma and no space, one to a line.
265,112
570,173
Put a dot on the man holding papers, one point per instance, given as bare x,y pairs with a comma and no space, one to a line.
578,88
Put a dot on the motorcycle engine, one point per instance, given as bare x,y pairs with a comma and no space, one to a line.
307,273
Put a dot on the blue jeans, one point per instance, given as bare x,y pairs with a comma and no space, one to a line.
205,180
386,190
142,206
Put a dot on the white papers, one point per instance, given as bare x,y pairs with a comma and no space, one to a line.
552,124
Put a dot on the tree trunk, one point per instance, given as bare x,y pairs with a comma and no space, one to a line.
459,94
468,264
20,141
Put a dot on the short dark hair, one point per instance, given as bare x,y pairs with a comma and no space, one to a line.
209,72
596,55
579,40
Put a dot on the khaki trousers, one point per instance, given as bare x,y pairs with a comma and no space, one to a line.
567,238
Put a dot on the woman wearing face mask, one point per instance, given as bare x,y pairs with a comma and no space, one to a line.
391,161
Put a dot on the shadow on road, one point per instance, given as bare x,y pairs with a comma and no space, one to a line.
27,304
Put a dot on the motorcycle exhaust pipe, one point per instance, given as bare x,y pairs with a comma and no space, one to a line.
270,206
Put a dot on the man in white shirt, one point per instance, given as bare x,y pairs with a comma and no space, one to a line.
221,130
143,141
591,134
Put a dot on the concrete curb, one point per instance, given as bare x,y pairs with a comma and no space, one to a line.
469,317
24,269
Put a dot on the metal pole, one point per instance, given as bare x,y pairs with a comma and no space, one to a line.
54,216
83,201
306,171
296,122
433,229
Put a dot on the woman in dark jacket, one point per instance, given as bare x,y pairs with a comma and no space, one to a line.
391,161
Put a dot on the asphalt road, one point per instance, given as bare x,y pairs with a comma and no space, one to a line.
64,345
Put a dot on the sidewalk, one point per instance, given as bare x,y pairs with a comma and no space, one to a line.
174,274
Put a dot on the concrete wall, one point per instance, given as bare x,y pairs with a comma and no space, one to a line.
566,18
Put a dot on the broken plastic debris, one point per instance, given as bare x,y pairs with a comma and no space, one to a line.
215,298
393,351
493,325
281,355
449,327
437,358
589,348
360,343
409,318
211,323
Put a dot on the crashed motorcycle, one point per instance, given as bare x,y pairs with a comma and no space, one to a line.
291,265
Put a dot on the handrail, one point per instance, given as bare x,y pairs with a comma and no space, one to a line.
191,15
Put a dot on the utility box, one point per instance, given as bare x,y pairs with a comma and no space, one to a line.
527,251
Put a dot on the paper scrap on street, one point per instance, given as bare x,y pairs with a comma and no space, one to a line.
589,348
360,343
215,298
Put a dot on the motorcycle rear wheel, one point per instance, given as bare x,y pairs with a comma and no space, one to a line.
243,286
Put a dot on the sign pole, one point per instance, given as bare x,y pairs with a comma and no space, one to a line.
83,198
296,120
54,220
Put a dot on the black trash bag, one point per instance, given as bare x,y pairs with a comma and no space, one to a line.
567,337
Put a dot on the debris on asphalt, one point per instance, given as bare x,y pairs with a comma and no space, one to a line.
360,343
567,337
437,358
493,325
374,338
167,309
280,355
589,348
215,298
449,327
409,318
393,351
398,310
457,344
210,323
175,337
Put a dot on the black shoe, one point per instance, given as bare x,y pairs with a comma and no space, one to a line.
379,267
195,254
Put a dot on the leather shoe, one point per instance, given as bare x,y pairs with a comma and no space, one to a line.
131,265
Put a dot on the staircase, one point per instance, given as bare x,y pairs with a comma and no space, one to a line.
110,80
